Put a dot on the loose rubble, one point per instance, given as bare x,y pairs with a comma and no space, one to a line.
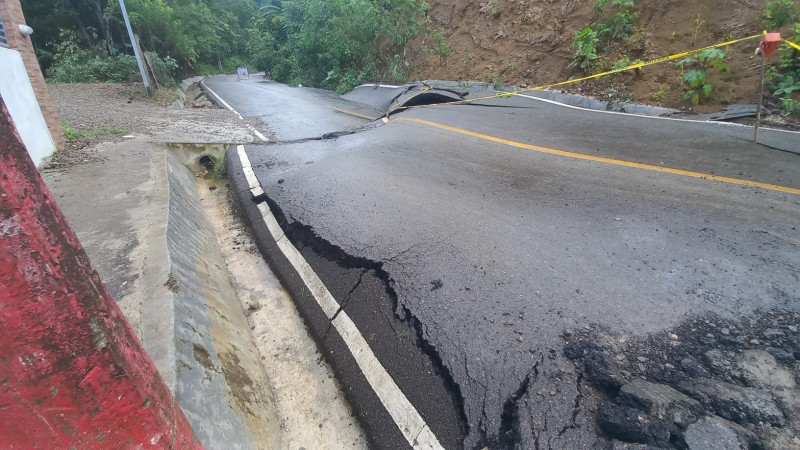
707,384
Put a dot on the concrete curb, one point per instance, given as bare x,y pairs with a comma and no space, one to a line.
219,381
381,430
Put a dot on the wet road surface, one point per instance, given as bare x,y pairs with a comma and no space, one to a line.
464,239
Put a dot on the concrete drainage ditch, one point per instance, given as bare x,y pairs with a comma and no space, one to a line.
191,95
219,379
247,374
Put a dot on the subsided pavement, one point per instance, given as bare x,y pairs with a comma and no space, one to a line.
514,265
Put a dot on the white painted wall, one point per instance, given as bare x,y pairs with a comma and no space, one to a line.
15,87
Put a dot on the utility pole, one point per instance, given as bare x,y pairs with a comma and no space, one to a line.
135,48
760,94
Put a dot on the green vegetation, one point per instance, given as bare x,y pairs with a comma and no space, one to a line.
86,40
781,12
78,64
217,170
336,44
74,135
585,45
618,25
624,62
661,94
491,8
783,79
398,70
497,83
698,22
619,95
698,87
442,48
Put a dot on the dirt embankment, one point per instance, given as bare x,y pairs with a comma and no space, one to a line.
527,43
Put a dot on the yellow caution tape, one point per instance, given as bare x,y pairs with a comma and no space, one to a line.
791,43
598,75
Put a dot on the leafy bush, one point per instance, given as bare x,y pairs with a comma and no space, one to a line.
443,49
699,87
619,26
336,44
261,50
398,70
585,45
780,12
661,94
185,32
789,106
621,63
784,87
75,64
783,80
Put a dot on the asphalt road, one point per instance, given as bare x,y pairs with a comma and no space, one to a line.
464,239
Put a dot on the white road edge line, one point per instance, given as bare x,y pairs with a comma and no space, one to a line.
230,108
709,122
405,416
390,86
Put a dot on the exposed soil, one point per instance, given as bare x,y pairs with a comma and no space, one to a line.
527,44
104,112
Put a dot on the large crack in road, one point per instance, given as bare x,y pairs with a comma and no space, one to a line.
407,353
468,336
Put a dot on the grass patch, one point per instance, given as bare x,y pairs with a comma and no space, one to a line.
217,167
74,135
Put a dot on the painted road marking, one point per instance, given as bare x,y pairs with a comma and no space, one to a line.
230,108
644,116
249,175
405,416
618,162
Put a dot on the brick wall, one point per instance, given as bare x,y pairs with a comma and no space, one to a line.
11,12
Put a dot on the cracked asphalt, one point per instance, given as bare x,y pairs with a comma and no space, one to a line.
462,260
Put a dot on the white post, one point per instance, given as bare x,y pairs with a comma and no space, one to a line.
135,48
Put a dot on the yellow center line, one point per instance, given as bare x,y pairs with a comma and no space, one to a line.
342,110
618,162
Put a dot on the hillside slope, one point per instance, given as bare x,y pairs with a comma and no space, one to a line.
527,43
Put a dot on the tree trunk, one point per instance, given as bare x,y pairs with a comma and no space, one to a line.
104,27
84,31
76,16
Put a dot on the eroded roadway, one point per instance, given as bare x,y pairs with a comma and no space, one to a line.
462,245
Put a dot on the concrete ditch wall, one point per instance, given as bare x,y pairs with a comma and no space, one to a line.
219,381
185,90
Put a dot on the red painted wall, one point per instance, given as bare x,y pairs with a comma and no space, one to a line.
72,372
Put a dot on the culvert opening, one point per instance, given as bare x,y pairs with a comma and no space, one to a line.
206,160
